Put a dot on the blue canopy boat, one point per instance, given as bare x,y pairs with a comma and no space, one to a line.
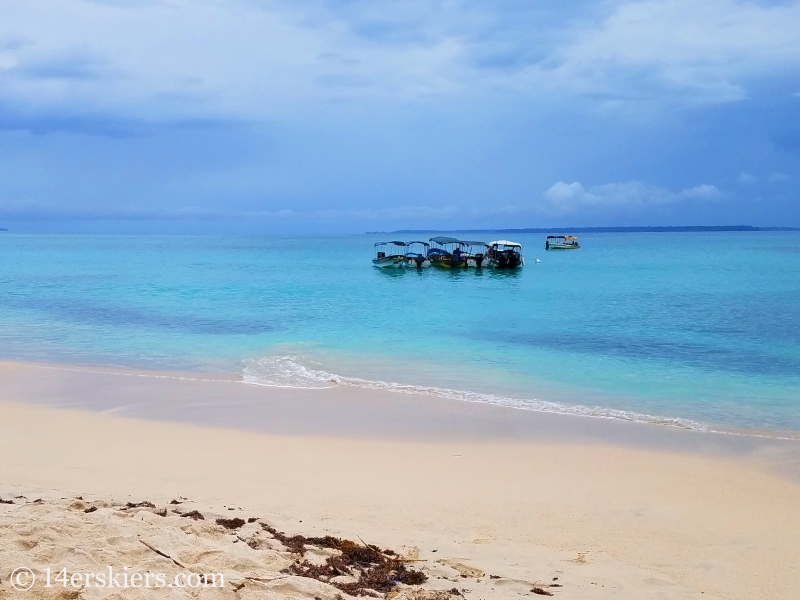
447,252
417,260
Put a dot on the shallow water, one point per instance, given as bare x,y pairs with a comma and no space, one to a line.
688,328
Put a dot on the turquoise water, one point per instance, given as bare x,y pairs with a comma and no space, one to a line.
698,328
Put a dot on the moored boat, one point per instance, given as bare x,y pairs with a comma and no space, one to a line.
475,253
390,255
561,242
504,254
417,260
447,253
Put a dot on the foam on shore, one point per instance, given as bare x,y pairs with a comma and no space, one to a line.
286,371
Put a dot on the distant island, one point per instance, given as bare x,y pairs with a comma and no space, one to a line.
688,228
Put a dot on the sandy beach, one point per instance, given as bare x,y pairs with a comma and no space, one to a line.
491,502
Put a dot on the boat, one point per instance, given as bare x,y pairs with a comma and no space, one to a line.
475,253
447,253
417,260
504,254
390,255
561,242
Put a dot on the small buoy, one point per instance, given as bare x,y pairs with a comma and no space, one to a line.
538,261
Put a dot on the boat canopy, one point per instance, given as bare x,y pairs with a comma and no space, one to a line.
474,243
417,242
505,243
385,243
442,240
560,237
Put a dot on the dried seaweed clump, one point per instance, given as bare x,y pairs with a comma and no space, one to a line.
541,591
371,567
194,514
144,504
234,523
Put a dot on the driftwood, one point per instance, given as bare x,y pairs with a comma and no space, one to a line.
164,554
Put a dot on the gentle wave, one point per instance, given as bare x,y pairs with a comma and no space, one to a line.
288,372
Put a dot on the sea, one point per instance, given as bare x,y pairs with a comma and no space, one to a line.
694,330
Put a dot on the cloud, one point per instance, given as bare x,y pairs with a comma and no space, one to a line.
564,197
75,65
745,177
248,59
702,192
681,50
777,177
35,211
241,105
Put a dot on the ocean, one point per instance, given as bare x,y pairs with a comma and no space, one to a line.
695,330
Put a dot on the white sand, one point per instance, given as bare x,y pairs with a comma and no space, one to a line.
610,521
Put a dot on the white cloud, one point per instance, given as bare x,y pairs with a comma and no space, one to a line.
247,59
703,50
560,193
703,192
564,197
36,211
777,177
745,177
223,59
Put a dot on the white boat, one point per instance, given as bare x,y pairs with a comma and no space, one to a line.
390,255
504,254
561,242
475,254
417,260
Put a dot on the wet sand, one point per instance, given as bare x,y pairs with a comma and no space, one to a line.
613,509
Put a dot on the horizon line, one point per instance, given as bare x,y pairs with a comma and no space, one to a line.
630,229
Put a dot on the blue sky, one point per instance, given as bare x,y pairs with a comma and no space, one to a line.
347,116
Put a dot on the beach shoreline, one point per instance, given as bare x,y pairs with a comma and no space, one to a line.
638,509
52,384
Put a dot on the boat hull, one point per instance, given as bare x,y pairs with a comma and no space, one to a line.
389,262
503,264
448,263
550,246
417,264
478,262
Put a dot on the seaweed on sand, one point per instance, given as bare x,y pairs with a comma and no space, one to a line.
194,514
234,523
369,567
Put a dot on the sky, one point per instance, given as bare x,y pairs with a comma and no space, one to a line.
344,116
